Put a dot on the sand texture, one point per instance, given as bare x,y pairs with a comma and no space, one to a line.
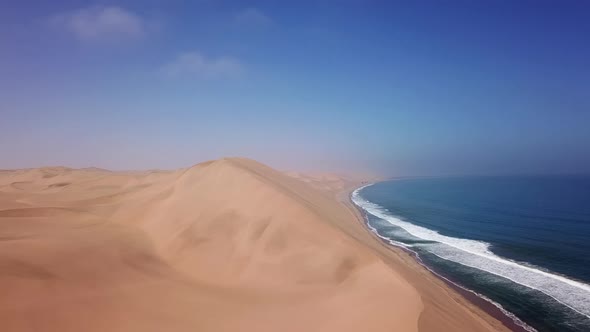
226,245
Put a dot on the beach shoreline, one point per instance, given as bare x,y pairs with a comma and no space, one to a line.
406,262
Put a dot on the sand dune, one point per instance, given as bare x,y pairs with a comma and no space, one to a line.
226,245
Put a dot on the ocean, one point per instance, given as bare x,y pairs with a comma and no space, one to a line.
520,242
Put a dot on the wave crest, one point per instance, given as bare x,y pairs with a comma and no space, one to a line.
476,254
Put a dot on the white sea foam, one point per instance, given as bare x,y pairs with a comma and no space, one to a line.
514,318
476,254
390,241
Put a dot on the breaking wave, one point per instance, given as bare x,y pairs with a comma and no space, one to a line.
476,254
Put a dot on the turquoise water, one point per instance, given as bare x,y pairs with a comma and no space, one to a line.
521,242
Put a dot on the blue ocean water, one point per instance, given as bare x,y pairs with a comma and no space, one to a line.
522,242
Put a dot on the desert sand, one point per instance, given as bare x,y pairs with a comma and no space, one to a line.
225,245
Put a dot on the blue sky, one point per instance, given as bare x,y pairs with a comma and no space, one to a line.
396,88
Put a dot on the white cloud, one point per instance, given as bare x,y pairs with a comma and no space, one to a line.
101,24
194,64
253,17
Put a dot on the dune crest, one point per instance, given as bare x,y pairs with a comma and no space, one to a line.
226,245
243,222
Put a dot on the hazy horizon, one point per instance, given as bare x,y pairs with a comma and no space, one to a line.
404,89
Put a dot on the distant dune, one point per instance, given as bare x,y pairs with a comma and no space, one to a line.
226,245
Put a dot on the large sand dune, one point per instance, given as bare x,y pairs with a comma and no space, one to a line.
227,245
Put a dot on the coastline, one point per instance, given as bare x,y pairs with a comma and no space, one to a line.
447,305
247,243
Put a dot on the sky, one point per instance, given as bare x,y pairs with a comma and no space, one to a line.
395,88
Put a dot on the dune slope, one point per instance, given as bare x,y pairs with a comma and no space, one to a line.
228,245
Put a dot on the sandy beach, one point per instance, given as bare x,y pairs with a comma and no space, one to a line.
225,245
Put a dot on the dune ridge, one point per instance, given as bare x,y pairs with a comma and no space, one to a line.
225,245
